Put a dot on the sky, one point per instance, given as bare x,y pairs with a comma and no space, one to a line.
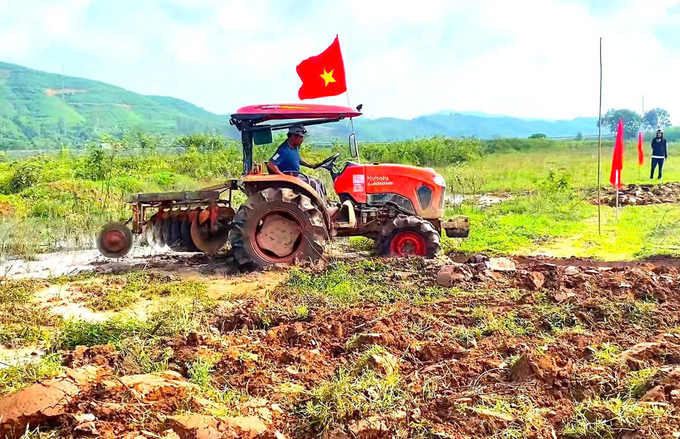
525,58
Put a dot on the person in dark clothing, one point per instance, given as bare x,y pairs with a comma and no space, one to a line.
659,153
286,160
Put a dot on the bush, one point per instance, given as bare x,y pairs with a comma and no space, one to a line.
25,176
434,151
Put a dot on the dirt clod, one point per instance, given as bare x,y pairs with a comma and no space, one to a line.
44,401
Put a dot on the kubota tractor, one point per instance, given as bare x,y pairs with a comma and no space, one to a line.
284,219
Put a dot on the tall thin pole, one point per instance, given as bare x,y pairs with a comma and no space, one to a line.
599,151
642,132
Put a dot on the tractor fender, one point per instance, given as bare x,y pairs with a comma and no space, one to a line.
253,183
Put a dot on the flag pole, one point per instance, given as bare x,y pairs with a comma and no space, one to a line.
599,152
618,183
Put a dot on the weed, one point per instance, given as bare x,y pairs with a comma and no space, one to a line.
557,317
509,324
640,381
200,372
84,333
246,357
607,354
18,376
641,312
523,416
359,243
22,320
301,312
143,356
354,388
119,291
468,336
598,418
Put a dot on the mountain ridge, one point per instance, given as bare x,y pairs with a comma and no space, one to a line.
40,109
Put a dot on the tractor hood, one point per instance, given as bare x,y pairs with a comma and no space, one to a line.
424,188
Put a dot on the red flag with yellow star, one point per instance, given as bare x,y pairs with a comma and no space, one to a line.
323,75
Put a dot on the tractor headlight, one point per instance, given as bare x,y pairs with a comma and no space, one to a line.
439,180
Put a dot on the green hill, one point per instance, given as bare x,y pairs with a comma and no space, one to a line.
43,110
39,109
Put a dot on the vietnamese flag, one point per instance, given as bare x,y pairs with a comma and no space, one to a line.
641,152
323,75
617,158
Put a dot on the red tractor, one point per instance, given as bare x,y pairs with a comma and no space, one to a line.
284,219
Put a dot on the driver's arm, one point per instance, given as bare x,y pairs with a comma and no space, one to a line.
308,165
273,169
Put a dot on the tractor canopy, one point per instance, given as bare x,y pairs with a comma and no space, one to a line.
262,113
249,121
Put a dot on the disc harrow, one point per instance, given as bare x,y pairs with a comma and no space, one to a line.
179,221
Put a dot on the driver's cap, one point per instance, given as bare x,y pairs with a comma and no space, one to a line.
298,129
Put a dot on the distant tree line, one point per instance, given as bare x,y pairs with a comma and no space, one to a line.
654,119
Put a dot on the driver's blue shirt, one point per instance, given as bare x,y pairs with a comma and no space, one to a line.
287,159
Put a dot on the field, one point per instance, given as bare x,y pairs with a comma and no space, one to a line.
515,341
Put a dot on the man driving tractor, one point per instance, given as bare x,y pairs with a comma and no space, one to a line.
286,159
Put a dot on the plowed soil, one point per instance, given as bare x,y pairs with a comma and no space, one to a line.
506,349
638,195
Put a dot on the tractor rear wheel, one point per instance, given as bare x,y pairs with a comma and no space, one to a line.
277,225
408,236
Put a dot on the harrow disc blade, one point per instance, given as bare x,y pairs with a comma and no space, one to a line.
205,241
165,229
187,241
157,227
115,240
175,241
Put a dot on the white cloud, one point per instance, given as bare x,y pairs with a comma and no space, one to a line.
529,58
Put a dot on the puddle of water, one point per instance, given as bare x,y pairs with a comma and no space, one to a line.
13,356
74,262
63,301
244,286
477,200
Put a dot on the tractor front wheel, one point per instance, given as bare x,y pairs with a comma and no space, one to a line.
408,236
277,225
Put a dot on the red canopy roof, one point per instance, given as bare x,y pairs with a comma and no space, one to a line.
294,111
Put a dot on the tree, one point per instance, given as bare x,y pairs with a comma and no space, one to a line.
656,119
579,136
538,136
631,121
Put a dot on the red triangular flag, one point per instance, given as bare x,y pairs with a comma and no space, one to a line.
617,158
323,75
641,152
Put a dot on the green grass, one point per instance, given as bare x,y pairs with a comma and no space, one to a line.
14,377
22,320
607,354
605,419
519,171
200,371
356,389
639,382
175,315
60,200
120,291
343,285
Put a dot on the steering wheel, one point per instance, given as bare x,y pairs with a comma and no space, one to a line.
328,163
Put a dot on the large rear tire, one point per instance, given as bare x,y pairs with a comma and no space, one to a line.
408,236
277,225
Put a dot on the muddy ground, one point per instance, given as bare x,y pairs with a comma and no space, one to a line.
358,347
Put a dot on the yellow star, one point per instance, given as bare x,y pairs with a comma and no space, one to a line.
327,76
